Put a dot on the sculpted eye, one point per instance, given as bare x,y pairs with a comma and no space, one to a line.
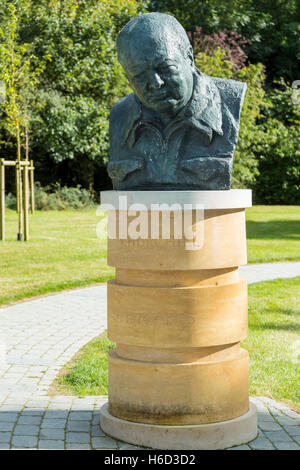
138,75
167,68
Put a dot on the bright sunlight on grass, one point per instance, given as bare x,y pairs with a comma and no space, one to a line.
86,374
273,345
273,342
273,233
64,252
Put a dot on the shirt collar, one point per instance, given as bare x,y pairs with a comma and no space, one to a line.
203,112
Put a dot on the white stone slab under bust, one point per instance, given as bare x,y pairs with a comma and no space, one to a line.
223,199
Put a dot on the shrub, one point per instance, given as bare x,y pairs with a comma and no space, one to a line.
267,154
278,152
231,42
56,197
245,164
11,201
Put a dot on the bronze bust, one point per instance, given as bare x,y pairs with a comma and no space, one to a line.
179,127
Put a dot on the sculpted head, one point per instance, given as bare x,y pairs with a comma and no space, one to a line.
157,57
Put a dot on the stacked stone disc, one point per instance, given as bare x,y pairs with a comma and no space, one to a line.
177,316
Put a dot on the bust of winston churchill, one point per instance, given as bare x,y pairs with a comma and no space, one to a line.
179,127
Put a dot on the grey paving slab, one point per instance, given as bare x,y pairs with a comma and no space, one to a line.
26,430
38,345
8,417
5,426
77,446
50,433
242,447
30,420
5,436
45,444
24,441
262,443
32,412
54,423
278,436
292,430
286,446
269,426
78,415
104,443
80,437
296,438
4,446
81,426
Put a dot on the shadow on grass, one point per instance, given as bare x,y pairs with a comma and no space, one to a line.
274,230
283,311
275,326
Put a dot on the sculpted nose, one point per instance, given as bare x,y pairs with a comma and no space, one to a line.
156,81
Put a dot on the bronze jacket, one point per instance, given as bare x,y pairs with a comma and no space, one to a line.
194,151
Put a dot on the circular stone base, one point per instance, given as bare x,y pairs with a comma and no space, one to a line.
202,437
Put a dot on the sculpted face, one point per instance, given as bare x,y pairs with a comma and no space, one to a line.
160,74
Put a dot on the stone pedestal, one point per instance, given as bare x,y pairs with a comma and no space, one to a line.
178,378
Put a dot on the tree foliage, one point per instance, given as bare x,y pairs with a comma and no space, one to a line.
268,150
278,152
245,162
272,26
19,73
231,42
58,59
80,83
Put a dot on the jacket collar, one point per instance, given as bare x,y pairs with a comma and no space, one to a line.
203,112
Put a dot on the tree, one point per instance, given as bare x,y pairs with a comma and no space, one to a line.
278,152
245,165
80,84
19,72
69,110
272,26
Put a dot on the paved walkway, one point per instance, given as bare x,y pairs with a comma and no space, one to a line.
269,271
39,336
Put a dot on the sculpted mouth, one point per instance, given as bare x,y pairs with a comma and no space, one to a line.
161,96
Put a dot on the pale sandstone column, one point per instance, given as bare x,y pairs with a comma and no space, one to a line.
177,317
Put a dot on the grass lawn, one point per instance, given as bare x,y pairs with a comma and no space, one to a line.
86,373
273,344
64,252
273,233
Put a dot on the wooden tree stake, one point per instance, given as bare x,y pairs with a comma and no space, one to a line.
32,198
20,198
26,203
2,200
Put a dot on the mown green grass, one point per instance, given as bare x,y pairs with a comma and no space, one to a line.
64,251
86,374
273,344
273,233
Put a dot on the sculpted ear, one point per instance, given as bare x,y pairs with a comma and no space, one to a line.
190,56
